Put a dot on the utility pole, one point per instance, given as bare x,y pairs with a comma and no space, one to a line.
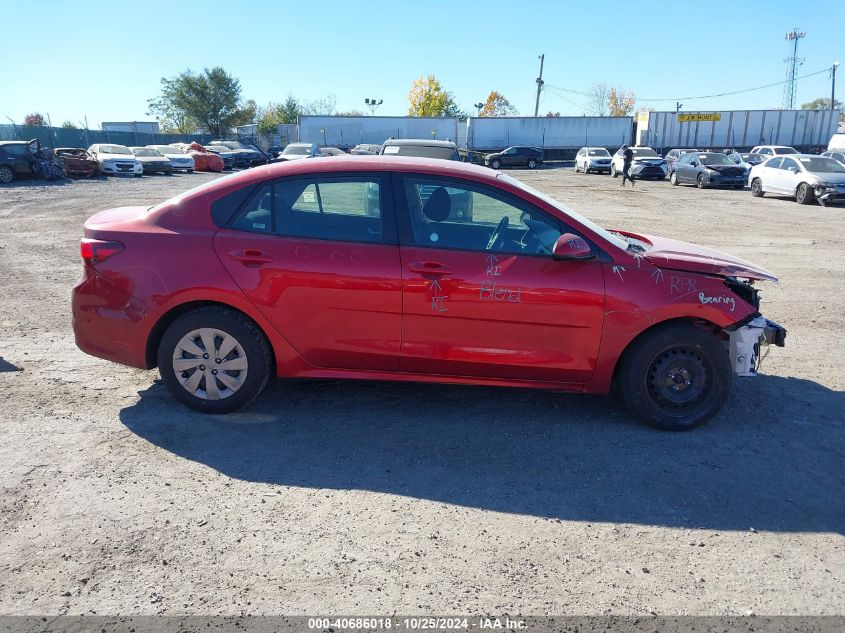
833,86
793,62
678,106
539,84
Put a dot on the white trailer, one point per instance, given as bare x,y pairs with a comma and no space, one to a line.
738,129
548,133
347,131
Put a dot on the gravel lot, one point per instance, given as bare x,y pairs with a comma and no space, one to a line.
368,498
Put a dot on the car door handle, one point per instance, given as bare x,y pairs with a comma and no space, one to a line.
250,256
429,268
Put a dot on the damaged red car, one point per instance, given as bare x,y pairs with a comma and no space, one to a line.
366,267
77,162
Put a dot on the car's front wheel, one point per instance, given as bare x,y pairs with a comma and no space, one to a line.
674,179
6,175
675,377
804,194
495,163
214,360
757,188
613,171
532,164
700,181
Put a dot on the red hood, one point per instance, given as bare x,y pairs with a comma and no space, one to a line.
678,255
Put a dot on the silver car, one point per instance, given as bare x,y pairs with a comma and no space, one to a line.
805,177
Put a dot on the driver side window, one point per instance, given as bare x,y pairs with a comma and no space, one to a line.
454,215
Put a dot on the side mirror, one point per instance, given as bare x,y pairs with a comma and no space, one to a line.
570,246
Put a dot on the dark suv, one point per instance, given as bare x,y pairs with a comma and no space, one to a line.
27,159
517,156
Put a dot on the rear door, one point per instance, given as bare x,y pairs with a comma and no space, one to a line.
318,256
482,294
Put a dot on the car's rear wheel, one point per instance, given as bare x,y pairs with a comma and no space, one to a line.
6,175
613,171
674,179
532,164
700,182
675,377
495,163
804,194
757,188
214,360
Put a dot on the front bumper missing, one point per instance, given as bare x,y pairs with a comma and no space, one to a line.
746,342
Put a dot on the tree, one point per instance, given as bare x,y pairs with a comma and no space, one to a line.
34,119
497,105
350,113
598,100
289,110
69,125
427,98
325,106
553,114
822,103
620,102
211,99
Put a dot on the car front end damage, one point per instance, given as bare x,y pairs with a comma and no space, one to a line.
747,338
829,192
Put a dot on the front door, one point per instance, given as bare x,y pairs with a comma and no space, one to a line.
483,296
318,257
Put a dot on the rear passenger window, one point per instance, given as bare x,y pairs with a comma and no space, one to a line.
257,214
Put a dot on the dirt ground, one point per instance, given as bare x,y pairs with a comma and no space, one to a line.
378,498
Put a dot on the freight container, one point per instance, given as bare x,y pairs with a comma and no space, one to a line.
348,131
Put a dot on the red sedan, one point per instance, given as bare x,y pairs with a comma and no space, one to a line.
412,269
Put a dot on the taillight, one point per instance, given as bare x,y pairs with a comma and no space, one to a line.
95,251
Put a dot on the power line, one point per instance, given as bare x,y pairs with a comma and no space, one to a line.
722,94
560,96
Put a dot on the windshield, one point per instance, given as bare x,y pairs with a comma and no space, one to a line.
598,152
297,149
644,152
145,151
613,238
822,165
235,145
114,149
167,149
422,151
785,150
715,159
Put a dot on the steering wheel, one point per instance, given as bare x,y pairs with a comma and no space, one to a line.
497,233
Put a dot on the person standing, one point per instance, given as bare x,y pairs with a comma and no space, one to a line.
628,157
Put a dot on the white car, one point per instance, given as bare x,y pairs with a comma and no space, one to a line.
646,164
774,150
116,159
836,154
180,159
837,143
296,151
805,177
592,159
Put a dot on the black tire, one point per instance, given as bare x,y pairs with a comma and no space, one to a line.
804,194
532,164
675,377
613,171
190,171
6,175
251,341
576,167
495,163
699,182
673,178
757,188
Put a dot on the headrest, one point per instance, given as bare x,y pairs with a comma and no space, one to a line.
439,205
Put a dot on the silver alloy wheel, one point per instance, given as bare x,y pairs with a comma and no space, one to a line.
210,364
6,175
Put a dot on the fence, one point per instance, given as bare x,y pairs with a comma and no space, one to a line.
64,137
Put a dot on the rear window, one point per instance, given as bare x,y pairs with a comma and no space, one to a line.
422,151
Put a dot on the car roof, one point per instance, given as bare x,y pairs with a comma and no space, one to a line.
14,143
420,141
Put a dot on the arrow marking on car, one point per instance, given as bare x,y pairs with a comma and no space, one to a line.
619,270
658,276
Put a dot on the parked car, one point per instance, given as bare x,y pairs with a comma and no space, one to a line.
421,148
836,143
516,156
708,169
28,159
366,149
646,164
803,176
280,271
152,160
592,159
836,155
77,162
116,160
229,157
773,150
747,159
331,151
255,155
297,151
177,156
673,154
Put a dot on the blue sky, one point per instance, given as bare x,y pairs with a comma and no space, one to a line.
105,59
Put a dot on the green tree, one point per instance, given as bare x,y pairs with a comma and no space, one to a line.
822,103
497,105
210,99
427,98
69,125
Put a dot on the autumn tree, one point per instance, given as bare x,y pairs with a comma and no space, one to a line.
427,98
620,102
497,105
598,99
210,99
35,119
